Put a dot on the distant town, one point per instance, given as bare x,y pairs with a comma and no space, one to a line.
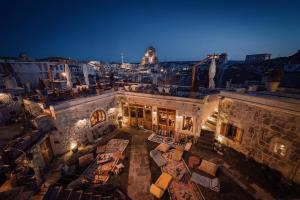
22,73
75,129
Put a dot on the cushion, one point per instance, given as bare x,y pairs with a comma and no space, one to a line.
100,149
157,157
156,191
193,161
180,148
188,146
212,184
177,155
86,159
163,181
163,147
208,167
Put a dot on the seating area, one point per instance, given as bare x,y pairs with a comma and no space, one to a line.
157,157
108,162
211,183
170,161
161,185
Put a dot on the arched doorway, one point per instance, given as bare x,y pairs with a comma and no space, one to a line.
97,117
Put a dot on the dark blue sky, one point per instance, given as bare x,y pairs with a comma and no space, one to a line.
179,30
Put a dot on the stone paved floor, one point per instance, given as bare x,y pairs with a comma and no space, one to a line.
139,171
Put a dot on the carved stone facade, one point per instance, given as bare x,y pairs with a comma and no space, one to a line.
270,135
268,129
72,120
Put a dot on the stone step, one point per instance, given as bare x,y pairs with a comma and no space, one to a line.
213,119
214,123
204,127
210,126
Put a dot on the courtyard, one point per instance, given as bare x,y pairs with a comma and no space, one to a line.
140,171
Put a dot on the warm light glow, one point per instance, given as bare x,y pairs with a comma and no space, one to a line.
73,145
63,74
220,138
111,110
81,122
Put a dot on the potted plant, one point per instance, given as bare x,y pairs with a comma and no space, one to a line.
273,79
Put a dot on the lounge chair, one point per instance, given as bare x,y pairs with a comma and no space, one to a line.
193,162
208,167
158,159
177,154
212,184
163,147
161,185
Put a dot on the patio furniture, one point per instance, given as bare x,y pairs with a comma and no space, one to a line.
104,160
177,154
86,159
161,185
118,169
100,149
188,146
157,157
163,147
212,184
208,167
193,162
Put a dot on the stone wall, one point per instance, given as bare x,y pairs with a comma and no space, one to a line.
263,126
72,120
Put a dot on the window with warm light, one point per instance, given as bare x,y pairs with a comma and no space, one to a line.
187,123
97,117
231,132
280,149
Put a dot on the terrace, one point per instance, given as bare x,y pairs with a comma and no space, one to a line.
140,171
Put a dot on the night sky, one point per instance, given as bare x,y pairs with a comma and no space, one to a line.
179,30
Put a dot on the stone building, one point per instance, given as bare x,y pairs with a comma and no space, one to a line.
260,126
263,127
84,119
73,120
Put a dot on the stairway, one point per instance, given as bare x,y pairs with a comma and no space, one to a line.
207,135
211,122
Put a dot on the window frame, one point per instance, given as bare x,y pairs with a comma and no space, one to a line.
238,134
280,153
100,117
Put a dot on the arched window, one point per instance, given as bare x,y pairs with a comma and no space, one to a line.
97,117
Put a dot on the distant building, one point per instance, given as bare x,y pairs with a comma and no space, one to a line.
32,71
257,58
